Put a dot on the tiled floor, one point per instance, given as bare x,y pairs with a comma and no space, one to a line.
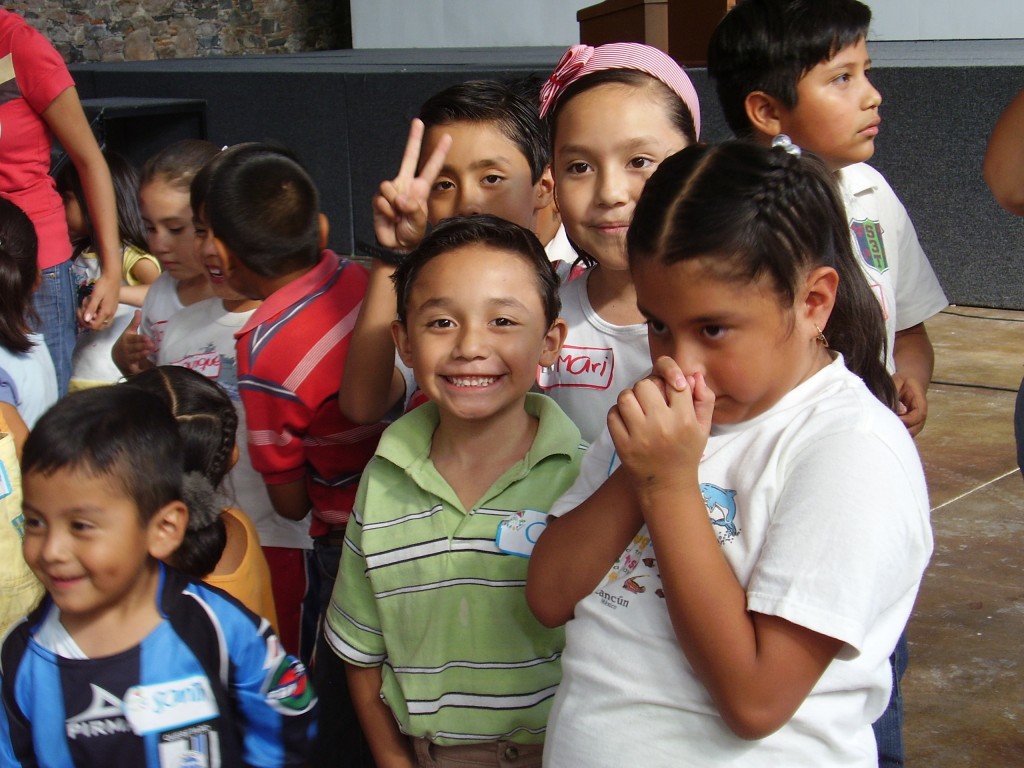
964,690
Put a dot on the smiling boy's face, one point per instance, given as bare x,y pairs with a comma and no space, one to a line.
86,542
836,112
484,172
475,332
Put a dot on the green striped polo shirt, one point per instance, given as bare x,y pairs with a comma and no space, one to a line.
424,591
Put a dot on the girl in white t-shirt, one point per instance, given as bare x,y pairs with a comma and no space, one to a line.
614,113
736,587
167,216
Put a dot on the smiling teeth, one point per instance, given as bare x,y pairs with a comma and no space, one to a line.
475,381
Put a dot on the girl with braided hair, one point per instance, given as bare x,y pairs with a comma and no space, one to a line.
221,545
745,541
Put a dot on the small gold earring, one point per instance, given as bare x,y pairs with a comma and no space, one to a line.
821,337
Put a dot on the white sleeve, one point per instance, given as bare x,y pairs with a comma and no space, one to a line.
854,507
599,462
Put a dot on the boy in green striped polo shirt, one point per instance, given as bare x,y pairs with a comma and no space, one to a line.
444,658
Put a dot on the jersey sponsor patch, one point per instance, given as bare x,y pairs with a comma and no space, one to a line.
195,747
588,367
103,717
287,687
164,706
870,246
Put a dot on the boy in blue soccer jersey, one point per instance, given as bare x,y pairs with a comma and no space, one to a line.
127,662
444,659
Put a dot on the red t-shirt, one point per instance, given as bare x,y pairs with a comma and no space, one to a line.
32,75
291,355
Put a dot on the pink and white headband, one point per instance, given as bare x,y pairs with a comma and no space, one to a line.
580,60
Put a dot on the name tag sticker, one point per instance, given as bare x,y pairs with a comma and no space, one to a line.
163,706
6,489
518,533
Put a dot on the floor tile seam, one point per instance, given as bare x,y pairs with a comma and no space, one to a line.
975,489
968,385
1016,319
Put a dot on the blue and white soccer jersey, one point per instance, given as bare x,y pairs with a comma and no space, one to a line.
210,686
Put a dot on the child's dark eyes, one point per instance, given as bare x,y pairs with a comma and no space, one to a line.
493,178
175,230
713,331
641,162
441,322
442,186
504,322
33,524
578,168
656,327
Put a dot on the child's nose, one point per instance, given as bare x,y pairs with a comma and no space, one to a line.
471,343
470,203
872,97
159,243
612,188
688,358
55,549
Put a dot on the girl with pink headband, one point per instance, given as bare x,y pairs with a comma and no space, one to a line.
614,112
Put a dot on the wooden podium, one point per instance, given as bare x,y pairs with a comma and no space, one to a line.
681,28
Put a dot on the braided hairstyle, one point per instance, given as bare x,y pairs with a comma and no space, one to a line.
764,213
208,423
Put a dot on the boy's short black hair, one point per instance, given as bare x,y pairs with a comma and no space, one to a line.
263,205
484,229
768,45
512,107
121,433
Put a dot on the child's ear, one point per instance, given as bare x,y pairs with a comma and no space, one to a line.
544,190
554,338
235,454
401,337
325,230
764,113
166,529
819,295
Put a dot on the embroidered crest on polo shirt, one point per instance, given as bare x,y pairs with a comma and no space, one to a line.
870,246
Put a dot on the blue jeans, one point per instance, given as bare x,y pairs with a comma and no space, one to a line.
889,727
54,302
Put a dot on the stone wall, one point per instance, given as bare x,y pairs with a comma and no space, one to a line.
118,30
